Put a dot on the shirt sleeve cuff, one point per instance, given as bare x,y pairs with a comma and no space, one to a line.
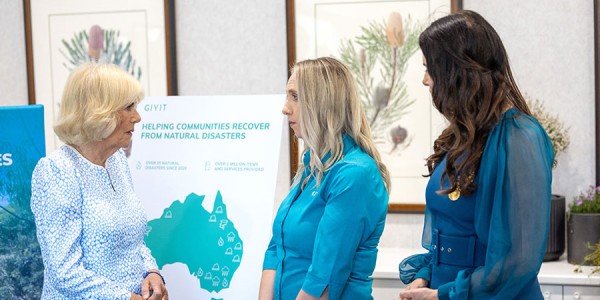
424,273
314,286
444,291
271,262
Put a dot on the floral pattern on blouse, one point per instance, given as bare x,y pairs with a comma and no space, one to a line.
90,227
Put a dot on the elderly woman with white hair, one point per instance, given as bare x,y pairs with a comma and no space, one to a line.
90,224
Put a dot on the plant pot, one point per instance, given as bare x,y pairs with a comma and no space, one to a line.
555,245
582,230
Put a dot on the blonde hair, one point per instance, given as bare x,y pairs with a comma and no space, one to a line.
92,97
329,107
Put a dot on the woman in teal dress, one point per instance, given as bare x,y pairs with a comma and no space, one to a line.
488,196
326,231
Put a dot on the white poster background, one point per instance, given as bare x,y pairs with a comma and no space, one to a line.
248,195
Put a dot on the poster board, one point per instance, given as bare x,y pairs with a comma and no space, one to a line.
205,168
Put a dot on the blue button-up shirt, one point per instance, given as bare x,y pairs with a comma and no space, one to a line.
327,236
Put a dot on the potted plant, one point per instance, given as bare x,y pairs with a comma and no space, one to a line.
583,228
555,246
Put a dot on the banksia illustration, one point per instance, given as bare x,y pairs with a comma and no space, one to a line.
96,42
399,136
99,45
378,58
394,30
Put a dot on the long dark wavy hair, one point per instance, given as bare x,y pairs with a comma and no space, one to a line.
472,86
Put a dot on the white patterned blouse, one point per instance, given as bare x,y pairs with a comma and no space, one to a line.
90,226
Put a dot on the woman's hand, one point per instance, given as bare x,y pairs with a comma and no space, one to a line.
418,294
417,283
153,288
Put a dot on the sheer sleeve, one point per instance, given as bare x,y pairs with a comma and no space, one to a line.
512,212
415,266
419,265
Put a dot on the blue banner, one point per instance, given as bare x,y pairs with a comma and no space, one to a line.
21,146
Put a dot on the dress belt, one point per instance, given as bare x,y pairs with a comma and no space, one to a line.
464,251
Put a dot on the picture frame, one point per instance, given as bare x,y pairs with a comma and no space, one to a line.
327,28
138,35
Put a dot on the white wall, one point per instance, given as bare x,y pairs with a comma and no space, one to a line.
239,47
231,47
551,47
13,68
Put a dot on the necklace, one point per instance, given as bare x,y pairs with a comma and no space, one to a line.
454,195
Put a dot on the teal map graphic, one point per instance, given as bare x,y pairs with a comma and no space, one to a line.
206,242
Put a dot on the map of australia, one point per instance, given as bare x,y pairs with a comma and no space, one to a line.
206,242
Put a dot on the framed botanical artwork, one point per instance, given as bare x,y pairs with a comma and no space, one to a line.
137,35
378,41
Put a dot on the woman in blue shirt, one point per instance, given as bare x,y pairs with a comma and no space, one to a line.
488,197
90,224
326,231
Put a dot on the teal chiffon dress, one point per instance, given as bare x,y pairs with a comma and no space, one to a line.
491,244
